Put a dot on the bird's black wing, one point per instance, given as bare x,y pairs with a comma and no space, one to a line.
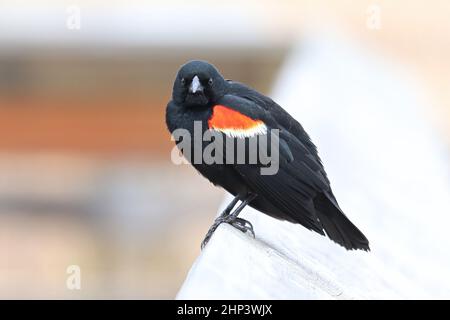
300,188
299,178
283,118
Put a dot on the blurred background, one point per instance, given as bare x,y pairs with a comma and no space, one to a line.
85,171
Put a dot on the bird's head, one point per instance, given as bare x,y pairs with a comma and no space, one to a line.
198,83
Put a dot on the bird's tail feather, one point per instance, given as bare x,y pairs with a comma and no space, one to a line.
337,226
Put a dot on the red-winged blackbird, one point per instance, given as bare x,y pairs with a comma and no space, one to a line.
299,192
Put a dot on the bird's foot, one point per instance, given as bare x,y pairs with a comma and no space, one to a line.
243,225
238,223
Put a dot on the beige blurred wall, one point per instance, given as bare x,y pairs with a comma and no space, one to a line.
414,33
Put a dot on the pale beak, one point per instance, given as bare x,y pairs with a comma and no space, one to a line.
196,85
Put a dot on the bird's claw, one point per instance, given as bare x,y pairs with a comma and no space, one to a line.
243,225
238,223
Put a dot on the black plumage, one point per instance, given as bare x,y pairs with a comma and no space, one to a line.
299,192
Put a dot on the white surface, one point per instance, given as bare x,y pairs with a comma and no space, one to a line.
389,173
253,269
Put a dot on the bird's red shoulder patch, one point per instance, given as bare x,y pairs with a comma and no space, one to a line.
235,124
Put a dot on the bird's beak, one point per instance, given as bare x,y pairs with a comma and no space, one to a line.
196,85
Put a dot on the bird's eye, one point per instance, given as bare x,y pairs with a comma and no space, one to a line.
210,81
183,81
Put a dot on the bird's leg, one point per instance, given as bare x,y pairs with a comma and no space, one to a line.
239,223
232,218
220,219
230,206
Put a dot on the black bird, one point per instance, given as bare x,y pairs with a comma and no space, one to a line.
299,192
